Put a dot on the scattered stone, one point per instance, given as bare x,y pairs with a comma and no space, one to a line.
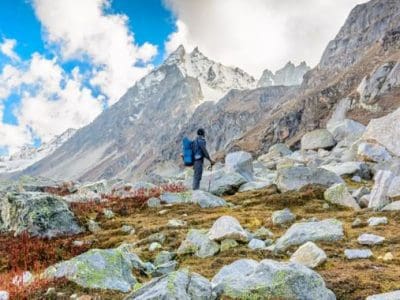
357,223
176,198
254,185
370,239
163,212
175,223
154,246
4,295
39,214
338,194
164,269
376,221
164,257
108,213
314,140
388,256
346,130
198,242
268,279
395,295
345,168
358,253
362,191
93,226
325,206
364,201
50,292
222,183
309,255
25,279
394,189
228,244
373,152
158,237
240,162
263,233
128,229
207,200
356,178
281,217
394,206
294,178
329,230
379,197
101,269
256,244
154,202
227,227
176,285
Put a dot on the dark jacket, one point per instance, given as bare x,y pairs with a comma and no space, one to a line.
200,149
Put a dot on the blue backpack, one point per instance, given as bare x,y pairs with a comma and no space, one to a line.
187,152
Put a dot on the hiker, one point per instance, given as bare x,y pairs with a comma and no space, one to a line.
200,152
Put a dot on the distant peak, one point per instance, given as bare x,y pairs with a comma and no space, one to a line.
176,56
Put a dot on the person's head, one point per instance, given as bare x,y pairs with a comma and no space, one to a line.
201,132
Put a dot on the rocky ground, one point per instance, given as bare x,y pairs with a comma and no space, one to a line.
320,222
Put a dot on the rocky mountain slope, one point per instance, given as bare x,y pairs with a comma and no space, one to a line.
128,136
29,155
289,75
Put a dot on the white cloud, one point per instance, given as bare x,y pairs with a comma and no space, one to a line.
7,48
258,34
83,30
52,101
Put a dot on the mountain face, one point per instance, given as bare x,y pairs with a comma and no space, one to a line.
126,138
289,75
359,64
28,155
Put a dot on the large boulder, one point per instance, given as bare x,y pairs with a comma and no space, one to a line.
221,182
309,255
373,152
329,230
338,194
345,168
382,131
109,269
227,227
317,139
268,279
254,185
179,285
198,242
395,295
379,194
39,214
199,197
294,178
240,162
394,189
346,130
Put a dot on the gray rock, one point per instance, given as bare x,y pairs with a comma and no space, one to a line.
376,221
256,244
100,187
317,139
381,131
164,257
254,185
222,183
248,279
281,217
370,239
158,237
379,194
358,253
357,223
179,285
346,130
373,152
175,223
338,194
154,246
356,178
227,227
309,255
240,162
164,269
207,200
228,244
395,295
364,201
4,295
329,230
362,191
176,198
345,168
39,214
263,233
142,185
93,226
394,206
394,189
197,242
127,229
294,178
108,213
100,269
154,202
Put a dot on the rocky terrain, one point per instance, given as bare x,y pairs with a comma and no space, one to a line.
289,75
303,202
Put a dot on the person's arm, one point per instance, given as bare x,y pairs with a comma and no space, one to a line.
203,148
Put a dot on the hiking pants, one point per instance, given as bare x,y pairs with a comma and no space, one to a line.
198,173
